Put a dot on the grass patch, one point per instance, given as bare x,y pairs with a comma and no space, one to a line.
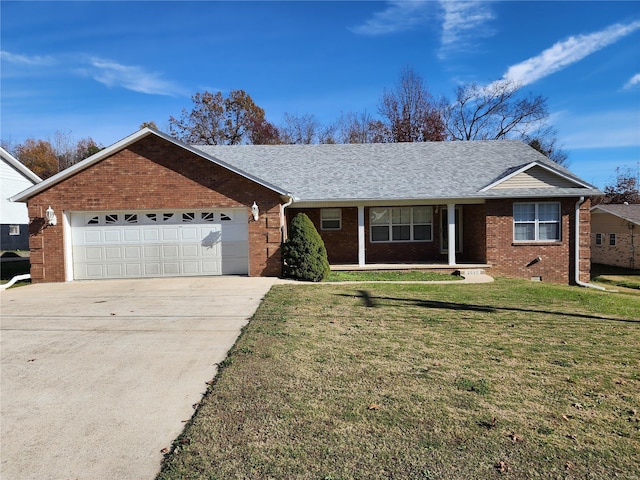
513,378
615,276
389,275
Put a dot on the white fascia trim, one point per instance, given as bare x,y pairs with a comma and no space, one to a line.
19,166
373,202
603,210
536,164
125,142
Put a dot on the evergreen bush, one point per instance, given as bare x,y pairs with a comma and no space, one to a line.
304,253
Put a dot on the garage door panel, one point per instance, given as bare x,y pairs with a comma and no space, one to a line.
171,268
170,251
189,234
151,252
162,243
151,234
94,271
190,250
131,235
93,253
170,234
114,270
152,269
133,269
133,252
93,236
112,253
112,236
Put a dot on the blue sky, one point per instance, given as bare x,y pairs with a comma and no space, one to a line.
100,69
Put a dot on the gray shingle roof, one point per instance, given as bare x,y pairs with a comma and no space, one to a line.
627,212
391,171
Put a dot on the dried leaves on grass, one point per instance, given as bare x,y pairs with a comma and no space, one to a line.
455,382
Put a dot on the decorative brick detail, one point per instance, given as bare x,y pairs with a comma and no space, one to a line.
153,174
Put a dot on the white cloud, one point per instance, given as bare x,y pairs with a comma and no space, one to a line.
567,52
635,80
34,60
462,22
399,16
133,78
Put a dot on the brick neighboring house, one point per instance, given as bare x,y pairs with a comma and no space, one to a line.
151,206
14,218
615,235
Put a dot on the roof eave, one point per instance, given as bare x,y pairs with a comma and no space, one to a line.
19,166
530,165
120,145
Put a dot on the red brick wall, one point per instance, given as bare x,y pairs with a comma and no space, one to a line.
341,245
153,174
511,259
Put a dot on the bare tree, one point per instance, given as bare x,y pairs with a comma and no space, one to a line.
299,129
69,151
624,189
493,112
545,141
360,128
409,112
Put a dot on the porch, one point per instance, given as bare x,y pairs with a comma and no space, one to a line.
442,267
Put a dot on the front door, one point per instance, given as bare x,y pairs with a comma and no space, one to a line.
444,230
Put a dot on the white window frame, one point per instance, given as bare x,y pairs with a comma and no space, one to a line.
329,215
388,211
599,239
613,238
536,222
14,230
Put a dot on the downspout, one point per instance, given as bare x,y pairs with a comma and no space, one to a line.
282,217
577,250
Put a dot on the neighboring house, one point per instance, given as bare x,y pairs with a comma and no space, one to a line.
151,206
615,235
14,218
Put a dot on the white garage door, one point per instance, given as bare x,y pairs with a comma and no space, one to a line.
159,243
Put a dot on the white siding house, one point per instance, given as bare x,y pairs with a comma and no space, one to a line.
14,218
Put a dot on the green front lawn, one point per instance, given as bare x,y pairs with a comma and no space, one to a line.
510,379
609,277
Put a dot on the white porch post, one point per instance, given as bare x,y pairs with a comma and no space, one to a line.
451,232
361,257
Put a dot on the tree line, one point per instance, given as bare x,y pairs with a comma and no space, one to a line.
407,112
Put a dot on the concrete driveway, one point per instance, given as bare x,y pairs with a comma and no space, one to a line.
98,377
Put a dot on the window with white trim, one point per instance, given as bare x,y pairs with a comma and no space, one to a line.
330,219
612,239
14,229
401,224
598,239
536,222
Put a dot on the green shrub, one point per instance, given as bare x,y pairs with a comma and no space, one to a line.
304,253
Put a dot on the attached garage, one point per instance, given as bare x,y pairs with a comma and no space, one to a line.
162,243
151,206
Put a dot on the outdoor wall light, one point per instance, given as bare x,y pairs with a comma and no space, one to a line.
51,216
254,211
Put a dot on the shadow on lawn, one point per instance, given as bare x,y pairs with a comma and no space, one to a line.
370,301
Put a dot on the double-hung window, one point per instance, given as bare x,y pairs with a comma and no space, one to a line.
330,219
536,222
598,239
401,224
